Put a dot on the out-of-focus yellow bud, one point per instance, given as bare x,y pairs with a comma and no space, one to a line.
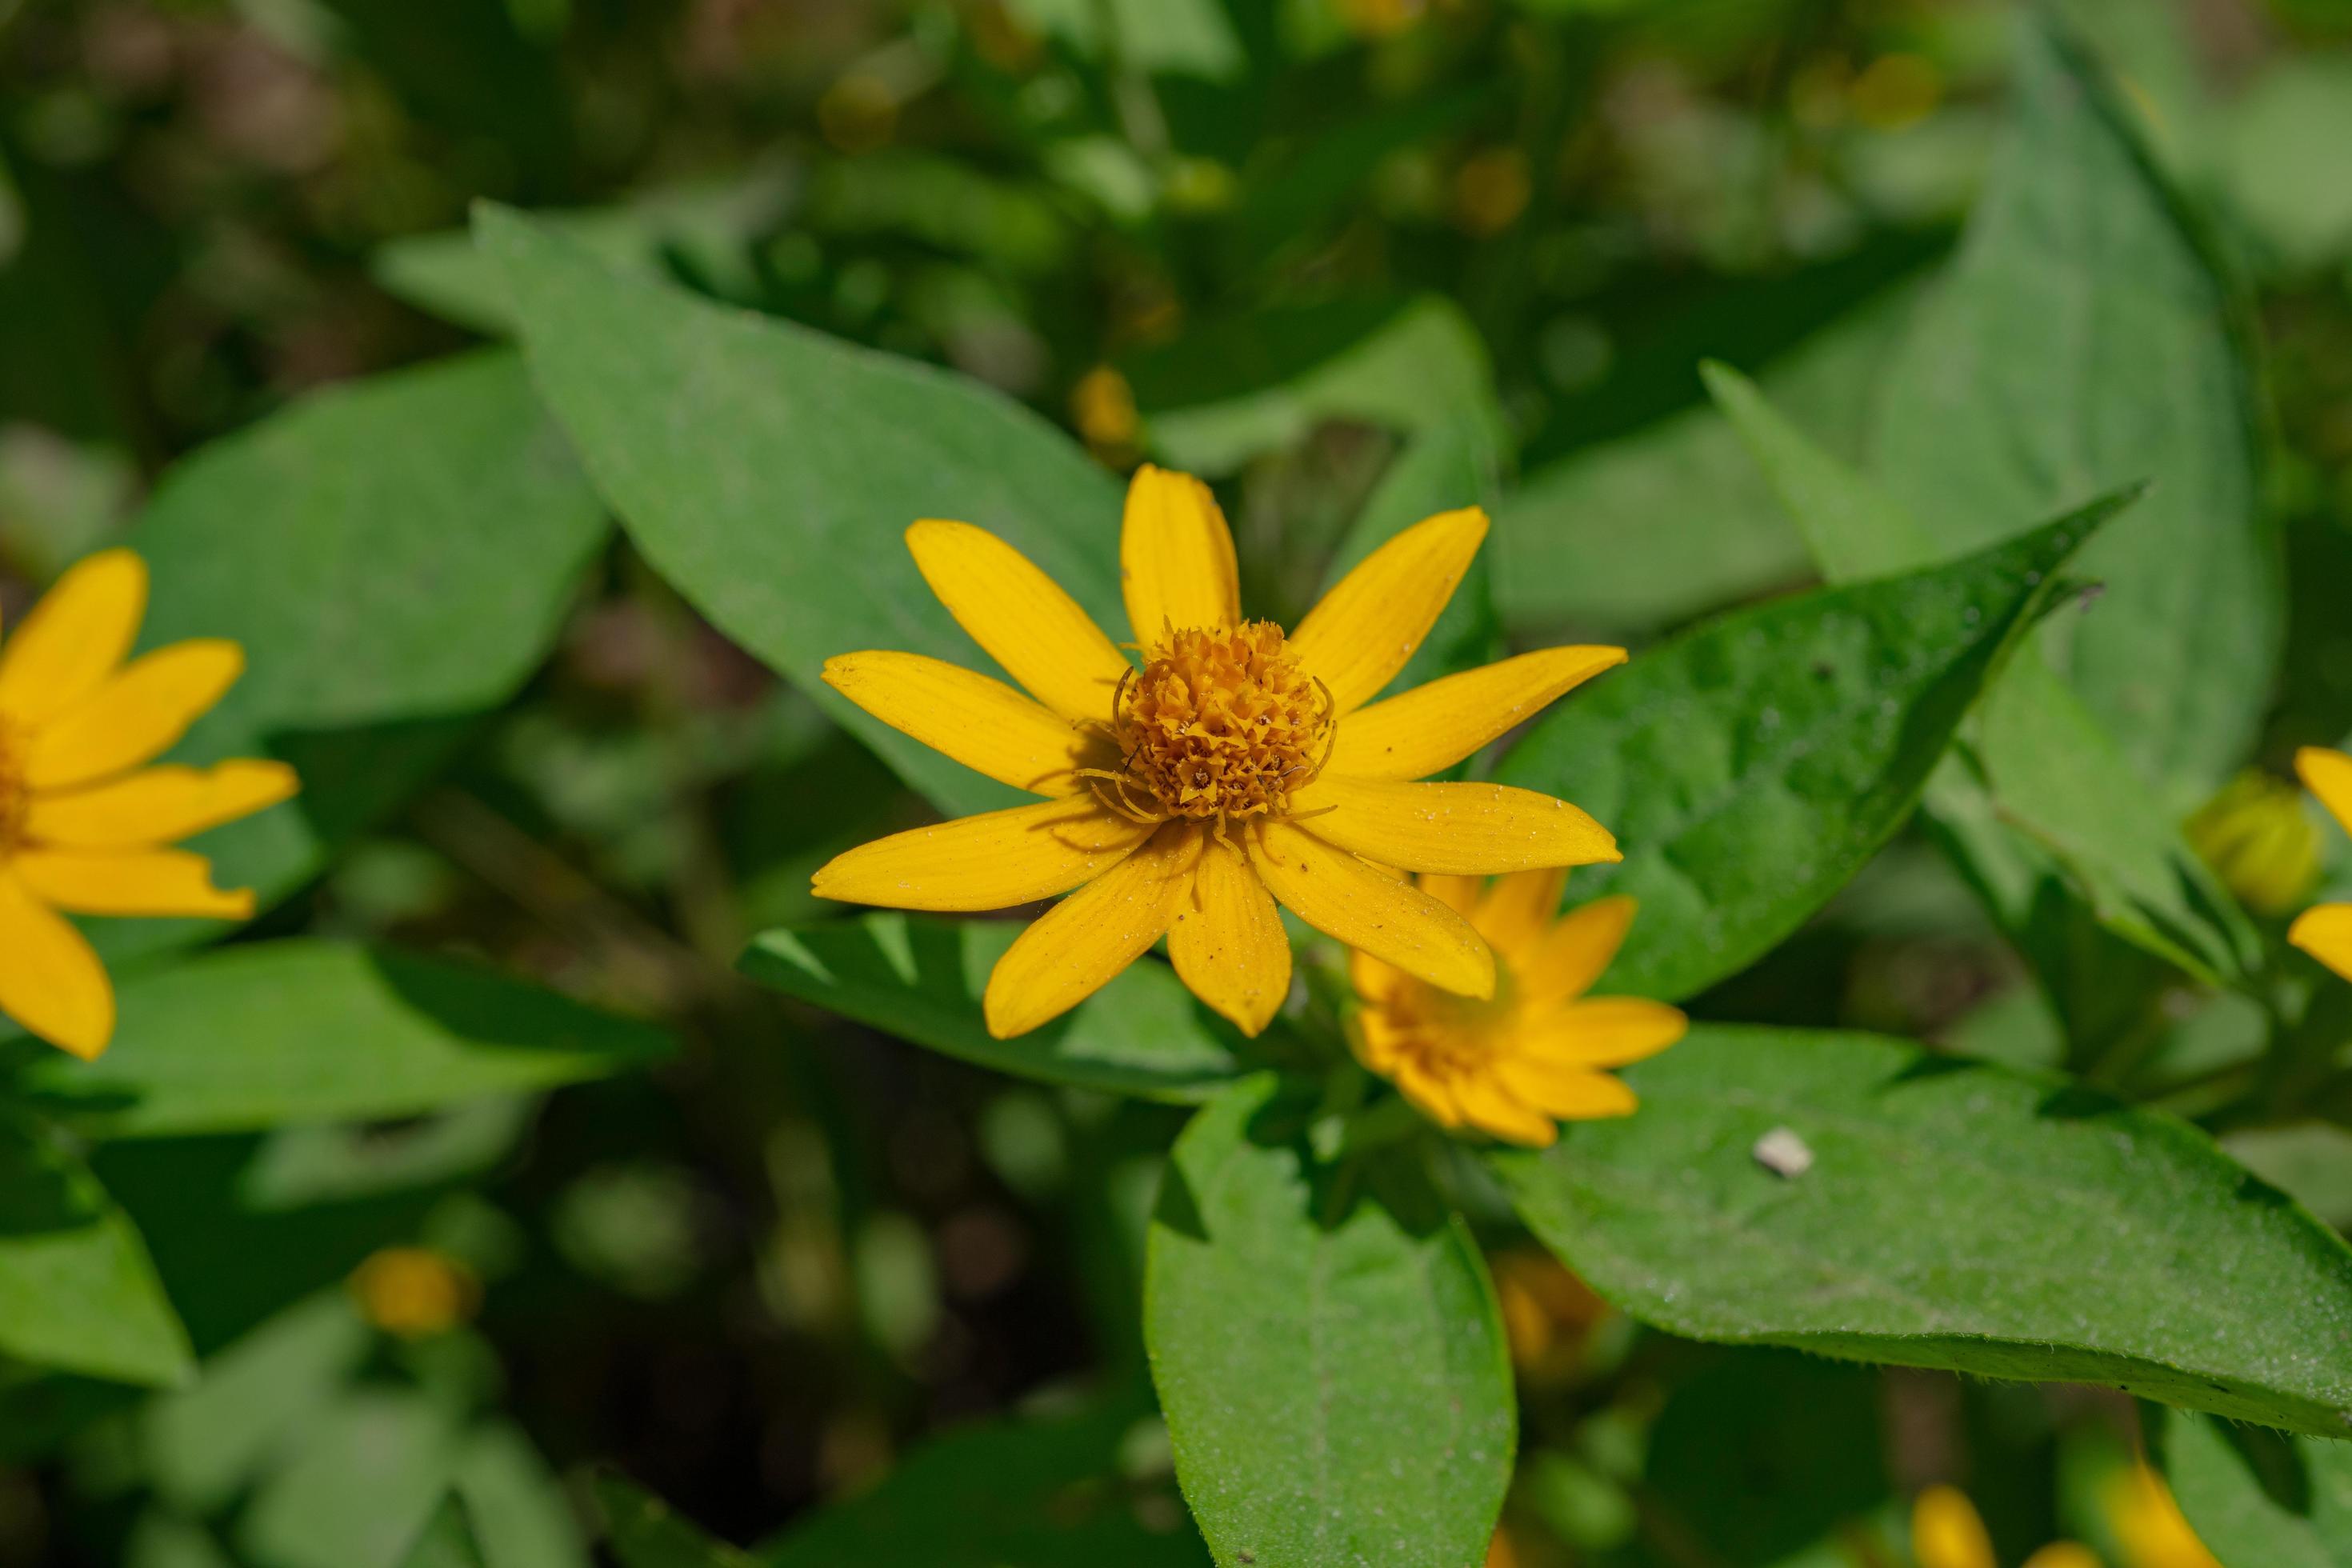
998,37
1200,185
1947,1533
1491,191
415,1292
1102,405
1548,1311
1500,1553
858,113
2063,1554
2260,840
1895,91
2149,1526
1381,18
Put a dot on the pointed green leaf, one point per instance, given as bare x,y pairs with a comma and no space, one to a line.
1327,1348
771,472
447,1541
78,1291
1753,765
307,1031
922,980
1952,1215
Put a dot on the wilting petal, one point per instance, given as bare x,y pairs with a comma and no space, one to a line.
1603,1032
1176,564
52,983
134,715
2325,931
1369,626
160,805
1024,620
1087,939
982,723
1467,829
1228,944
991,861
2328,775
1341,897
1433,727
74,638
1567,959
149,882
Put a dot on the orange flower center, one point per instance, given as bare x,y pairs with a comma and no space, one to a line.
1221,723
1448,1036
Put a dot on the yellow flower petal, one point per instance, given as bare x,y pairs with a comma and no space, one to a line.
991,861
1373,979
160,805
1604,1032
1569,957
2328,775
1024,620
1341,897
1430,1095
1460,894
1468,829
1228,944
2063,1554
149,882
1433,727
52,983
1176,564
1516,910
1490,1106
74,638
1946,1531
1373,619
982,723
1083,942
2325,931
135,714
1565,1093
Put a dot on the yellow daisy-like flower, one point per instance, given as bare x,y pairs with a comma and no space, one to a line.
84,827
1534,1052
1240,766
1947,1533
2325,931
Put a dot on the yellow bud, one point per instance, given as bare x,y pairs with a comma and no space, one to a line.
2258,840
858,113
1895,91
415,1292
1381,18
1102,405
2148,1525
1491,190
1947,1533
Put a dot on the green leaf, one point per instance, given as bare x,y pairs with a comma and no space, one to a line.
1233,390
922,979
2278,161
769,472
2054,772
1327,1348
1046,1491
645,1533
204,1444
396,558
2257,1496
447,1541
1751,766
78,1291
305,1031
1954,1215
358,1489
2085,338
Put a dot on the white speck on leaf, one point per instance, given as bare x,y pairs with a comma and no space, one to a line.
1783,1153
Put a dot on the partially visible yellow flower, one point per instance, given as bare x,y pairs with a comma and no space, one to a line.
2259,841
1534,1052
1491,191
84,827
1240,766
1500,1553
415,1292
2148,1525
2325,931
1947,1533
1548,1311
1102,405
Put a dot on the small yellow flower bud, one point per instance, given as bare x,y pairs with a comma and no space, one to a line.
2148,1525
1102,405
2258,840
415,1292
1491,191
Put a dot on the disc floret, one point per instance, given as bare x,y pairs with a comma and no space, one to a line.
1221,724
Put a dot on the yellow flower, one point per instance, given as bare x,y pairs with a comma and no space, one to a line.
2258,840
1239,767
84,827
1947,1532
2149,1526
1102,405
413,1293
1534,1052
2325,931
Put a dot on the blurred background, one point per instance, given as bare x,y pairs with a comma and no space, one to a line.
1265,241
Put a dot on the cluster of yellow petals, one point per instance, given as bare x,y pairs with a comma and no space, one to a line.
1241,768
1539,1050
2325,931
2146,1523
86,827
